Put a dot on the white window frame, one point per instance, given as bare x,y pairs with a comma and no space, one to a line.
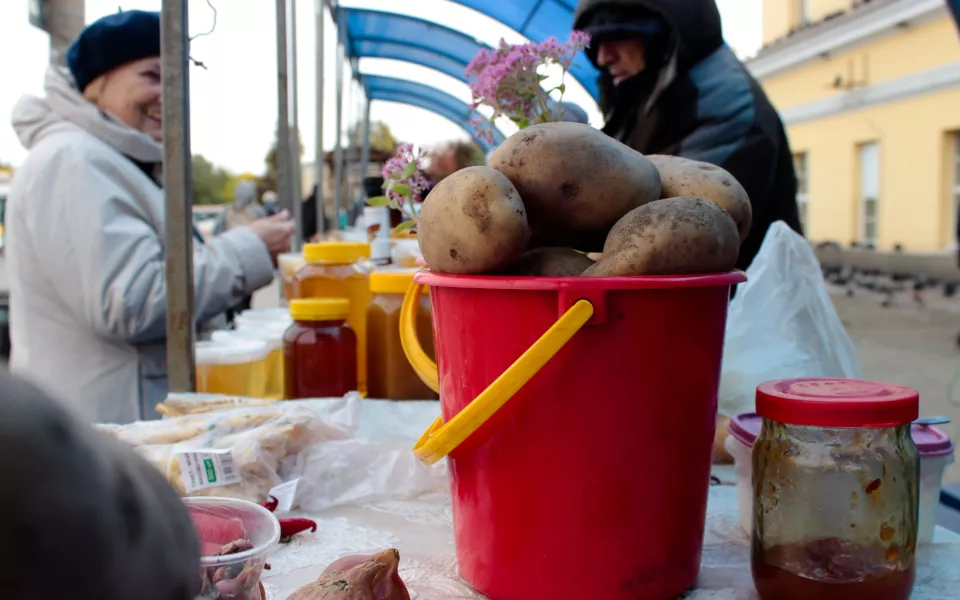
801,13
866,223
801,167
955,184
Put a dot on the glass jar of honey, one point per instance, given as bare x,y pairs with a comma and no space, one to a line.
319,349
389,374
337,270
835,490
288,264
233,367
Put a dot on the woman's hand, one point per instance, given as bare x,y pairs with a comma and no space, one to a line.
275,231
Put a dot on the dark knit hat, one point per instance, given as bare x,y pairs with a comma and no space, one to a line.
112,41
607,24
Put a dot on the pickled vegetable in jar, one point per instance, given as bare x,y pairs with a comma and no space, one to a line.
389,374
233,367
835,490
320,350
337,270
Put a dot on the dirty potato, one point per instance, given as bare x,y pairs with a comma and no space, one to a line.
685,177
575,181
675,236
472,222
550,262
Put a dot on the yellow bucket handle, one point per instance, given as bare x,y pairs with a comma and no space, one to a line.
442,438
425,368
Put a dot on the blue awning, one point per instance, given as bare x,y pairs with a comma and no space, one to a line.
538,20
404,91
378,34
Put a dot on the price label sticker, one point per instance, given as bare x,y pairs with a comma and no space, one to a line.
202,469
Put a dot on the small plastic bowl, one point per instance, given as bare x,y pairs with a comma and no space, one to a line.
219,521
936,454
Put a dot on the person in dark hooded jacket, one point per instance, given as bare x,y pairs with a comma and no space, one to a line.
670,85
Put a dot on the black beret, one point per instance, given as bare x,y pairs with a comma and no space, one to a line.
112,41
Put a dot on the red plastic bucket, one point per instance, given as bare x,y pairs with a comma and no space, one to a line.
585,475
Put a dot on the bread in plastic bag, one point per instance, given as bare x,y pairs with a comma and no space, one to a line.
259,440
782,324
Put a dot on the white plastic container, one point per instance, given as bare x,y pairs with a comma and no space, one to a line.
270,334
936,454
234,368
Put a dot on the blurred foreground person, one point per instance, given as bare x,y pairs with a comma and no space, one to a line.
670,85
87,517
85,231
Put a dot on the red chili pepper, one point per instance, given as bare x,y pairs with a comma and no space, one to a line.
289,527
271,504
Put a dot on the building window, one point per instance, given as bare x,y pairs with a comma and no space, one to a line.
869,192
800,168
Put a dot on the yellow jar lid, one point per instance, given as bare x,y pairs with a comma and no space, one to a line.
393,281
319,309
336,252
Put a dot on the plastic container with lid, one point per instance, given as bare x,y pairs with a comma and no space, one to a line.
835,490
270,334
934,445
289,263
256,316
220,521
389,374
320,350
235,367
337,270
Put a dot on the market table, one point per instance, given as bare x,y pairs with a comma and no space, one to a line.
421,528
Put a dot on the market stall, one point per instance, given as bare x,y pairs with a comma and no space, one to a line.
573,451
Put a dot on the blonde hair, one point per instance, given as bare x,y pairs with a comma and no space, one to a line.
94,90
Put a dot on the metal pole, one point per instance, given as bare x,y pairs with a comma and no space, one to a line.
177,188
365,154
284,188
319,113
338,148
295,135
64,20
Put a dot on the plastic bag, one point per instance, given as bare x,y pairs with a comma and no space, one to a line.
242,449
782,324
376,464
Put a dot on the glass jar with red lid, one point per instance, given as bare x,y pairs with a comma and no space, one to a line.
835,490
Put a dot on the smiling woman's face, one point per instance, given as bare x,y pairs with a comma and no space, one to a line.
132,93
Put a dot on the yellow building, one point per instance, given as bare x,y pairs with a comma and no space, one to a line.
870,93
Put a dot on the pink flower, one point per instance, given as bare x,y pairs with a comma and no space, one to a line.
508,79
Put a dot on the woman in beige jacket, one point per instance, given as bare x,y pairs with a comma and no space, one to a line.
85,237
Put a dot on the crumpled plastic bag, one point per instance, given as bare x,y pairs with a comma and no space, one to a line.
782,324
376,464
258,441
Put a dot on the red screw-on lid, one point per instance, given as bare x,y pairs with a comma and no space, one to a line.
837,403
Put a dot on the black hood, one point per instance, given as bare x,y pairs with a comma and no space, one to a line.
696,30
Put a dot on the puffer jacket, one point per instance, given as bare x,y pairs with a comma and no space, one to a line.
85,253
702,104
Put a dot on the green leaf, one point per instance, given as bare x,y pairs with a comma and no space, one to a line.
379,201
561,88
402,189
405,226
408,172
521,123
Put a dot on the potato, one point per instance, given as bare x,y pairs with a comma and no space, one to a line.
550,262
675,236
575,181
685,177
472,222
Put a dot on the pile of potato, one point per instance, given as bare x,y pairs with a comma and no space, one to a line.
555,191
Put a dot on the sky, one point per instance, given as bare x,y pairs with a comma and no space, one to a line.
233,102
